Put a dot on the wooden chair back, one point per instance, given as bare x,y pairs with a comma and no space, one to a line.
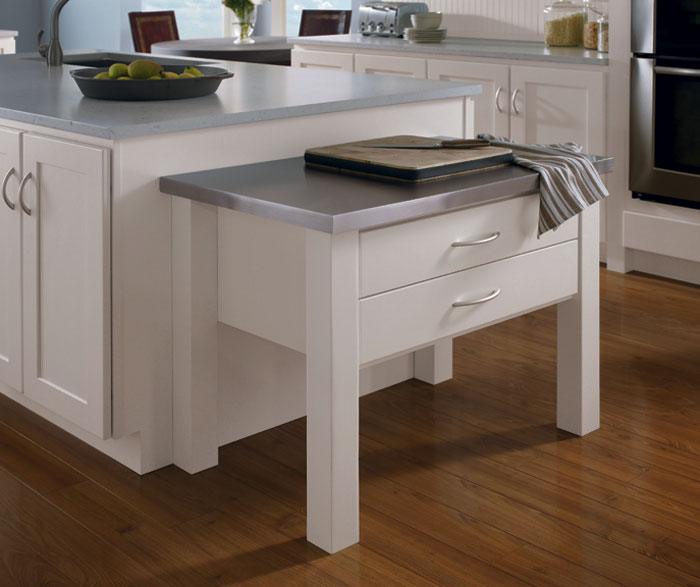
324,22
152,27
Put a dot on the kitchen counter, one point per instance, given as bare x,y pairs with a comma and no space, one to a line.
464,47
49,97
6,34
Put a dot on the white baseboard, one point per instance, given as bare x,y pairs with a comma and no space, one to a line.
663,266
126,450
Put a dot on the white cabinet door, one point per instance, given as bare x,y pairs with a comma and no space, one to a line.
322,60
10,262
391,65
66,281
552,105
491,108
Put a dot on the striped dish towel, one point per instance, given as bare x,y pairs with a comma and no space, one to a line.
568,181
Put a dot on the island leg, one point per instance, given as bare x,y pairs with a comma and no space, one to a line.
434,363
195,316
578,337
332,389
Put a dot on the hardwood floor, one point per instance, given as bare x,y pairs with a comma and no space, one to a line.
466,483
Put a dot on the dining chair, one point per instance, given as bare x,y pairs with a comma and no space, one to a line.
324,22
152,27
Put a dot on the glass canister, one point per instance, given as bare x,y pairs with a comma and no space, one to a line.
594,10
603,33
563,23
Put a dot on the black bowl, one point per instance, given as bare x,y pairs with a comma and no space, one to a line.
150,89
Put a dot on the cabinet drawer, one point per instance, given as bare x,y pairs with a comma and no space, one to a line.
390,65
322,60
414,251
419,314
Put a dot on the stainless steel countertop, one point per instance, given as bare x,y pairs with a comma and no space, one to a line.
464,47
288,191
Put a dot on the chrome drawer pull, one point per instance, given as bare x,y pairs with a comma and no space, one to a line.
493,295
482,241
25,179
8,175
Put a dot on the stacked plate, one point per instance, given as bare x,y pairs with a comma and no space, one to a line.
424,35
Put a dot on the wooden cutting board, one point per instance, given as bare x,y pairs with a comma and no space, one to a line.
405,164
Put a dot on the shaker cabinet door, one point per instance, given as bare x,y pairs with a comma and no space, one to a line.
553,105
10,261
66,279
491,107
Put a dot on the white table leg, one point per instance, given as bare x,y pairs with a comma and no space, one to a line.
578,338
434,363
332,389
195,315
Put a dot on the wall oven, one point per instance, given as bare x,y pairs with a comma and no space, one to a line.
665,101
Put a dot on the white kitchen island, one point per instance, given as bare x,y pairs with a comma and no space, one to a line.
86,240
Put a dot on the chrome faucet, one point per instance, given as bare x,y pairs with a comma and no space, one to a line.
53,51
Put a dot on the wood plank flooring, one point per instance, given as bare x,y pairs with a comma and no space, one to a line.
466,483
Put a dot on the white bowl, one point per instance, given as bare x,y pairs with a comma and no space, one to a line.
426,20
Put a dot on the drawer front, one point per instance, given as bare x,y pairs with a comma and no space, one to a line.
419,314
414,251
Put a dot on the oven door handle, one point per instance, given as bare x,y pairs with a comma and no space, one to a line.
677,71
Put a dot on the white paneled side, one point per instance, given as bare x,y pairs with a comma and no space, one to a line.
10,260
521,20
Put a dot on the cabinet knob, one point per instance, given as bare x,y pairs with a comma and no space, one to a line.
8,175
24,181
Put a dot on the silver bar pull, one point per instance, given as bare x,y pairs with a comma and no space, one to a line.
513,98
483,241
25,179
499,91
677,71
492,296
8,175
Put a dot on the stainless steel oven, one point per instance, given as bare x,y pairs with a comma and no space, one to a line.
665,101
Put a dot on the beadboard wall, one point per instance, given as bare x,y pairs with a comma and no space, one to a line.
520,20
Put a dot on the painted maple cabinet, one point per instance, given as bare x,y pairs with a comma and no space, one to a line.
533,104
55,320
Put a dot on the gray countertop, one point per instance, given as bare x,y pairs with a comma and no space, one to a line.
4,34
288,191
458,46
35,94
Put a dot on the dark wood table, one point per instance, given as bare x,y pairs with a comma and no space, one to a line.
270,50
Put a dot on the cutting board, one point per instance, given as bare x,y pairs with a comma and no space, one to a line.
405,164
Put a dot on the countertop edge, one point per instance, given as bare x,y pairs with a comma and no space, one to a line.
450,50
150,129
367,218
